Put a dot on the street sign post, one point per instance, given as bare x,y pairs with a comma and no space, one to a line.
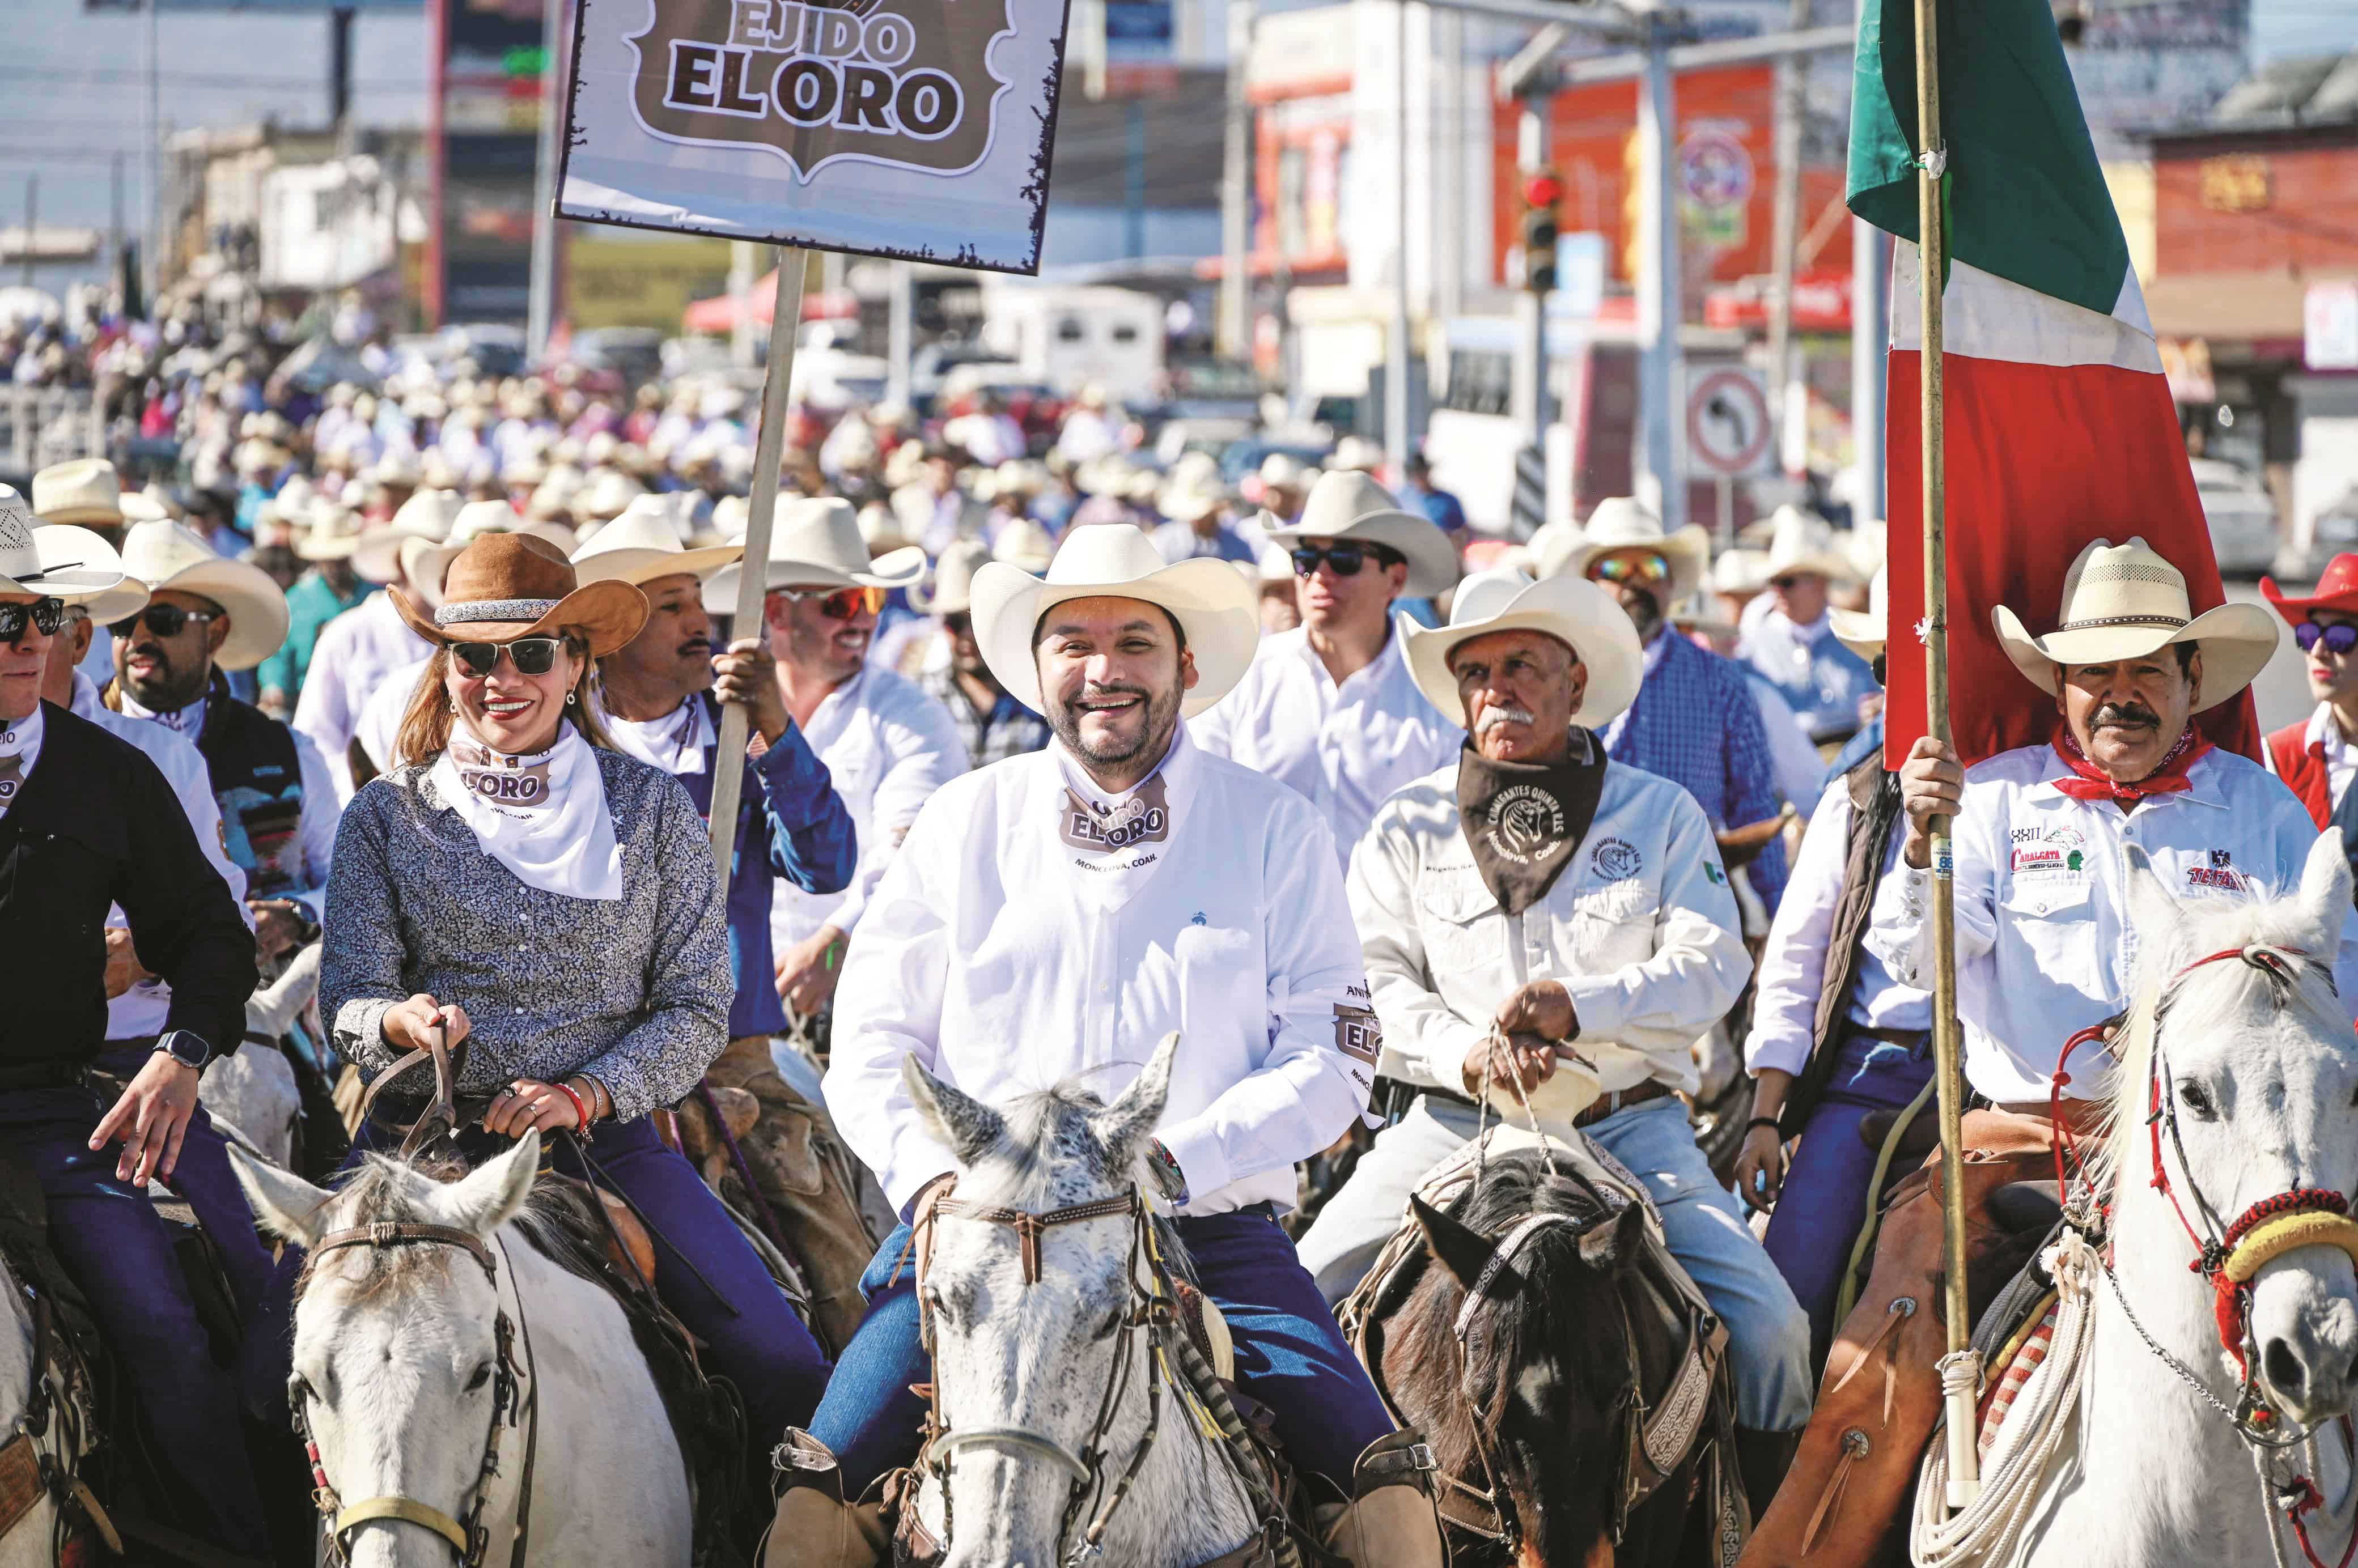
1729,431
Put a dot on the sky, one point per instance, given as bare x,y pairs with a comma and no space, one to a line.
74,82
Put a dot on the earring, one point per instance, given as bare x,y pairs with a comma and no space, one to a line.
570,697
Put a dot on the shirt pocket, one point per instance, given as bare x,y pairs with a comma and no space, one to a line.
1613,924
2055,920
1453,912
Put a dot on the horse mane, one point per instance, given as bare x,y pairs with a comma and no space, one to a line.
2215,998
554,1221
1048,1136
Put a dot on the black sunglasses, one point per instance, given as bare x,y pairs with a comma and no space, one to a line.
957,621
2339,637
164,620
1346,558
531,657
46,614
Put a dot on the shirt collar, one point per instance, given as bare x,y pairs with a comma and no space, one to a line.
1815,633
2324,731
2203,786
85,696
1178,761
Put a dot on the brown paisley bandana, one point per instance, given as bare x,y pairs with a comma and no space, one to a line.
1524,821
521,782
12,779
1143,819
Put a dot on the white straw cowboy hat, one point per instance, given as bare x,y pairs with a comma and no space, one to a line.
1623,523
1572,610
607,496
1217,610
816,542
86,490
642,545
1864,632
168,556
62,561
2124,602
426,516
1803,542
1347,503
953,587
1355,454
331,531
1025,544
1739,571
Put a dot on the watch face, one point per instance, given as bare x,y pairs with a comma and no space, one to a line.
183,1048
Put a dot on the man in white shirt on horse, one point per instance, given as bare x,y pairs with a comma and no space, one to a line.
1553,929
2040,837
1050,918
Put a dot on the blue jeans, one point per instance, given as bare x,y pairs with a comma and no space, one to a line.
1767,1335
750,1332
1825,1198
1290,1354
107,1235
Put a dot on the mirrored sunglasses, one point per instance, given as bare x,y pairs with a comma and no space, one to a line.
163,620
531,657
45,615
1344,557
2339,636
837,603
1642,569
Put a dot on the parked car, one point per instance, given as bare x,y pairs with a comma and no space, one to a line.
2242,515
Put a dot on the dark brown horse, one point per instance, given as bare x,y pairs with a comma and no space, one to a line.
1541,1390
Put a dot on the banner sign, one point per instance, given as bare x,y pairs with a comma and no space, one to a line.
911,128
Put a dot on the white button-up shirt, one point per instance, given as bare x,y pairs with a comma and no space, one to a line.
1793,963
1640,929
1345,747
887,746
2044,948
381,716
2341,756
356,652
142,1009
998,953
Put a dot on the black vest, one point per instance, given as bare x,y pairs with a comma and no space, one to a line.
258,780
1875,809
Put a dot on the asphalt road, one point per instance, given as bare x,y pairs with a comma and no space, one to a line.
2282,691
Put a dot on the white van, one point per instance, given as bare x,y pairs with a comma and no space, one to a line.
1072,336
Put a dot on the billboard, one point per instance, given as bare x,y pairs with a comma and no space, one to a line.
485,137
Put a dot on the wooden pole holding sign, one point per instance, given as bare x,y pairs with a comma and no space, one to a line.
753,572
1961,1367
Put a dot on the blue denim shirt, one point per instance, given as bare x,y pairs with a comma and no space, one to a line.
1822,681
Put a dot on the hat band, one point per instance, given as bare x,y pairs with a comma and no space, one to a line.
2103,622
493,610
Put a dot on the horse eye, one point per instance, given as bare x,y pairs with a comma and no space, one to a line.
1112,1326
934,1302
2196,1098
482,1375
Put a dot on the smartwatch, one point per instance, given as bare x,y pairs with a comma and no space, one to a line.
186,1048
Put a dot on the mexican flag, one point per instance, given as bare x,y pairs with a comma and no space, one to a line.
2060,425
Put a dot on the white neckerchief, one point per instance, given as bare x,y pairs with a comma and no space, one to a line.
1115,843
542,817
20,747
674,743
187,723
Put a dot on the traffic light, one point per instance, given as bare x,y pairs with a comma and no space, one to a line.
1542,193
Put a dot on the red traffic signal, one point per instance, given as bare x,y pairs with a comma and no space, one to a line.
1544,189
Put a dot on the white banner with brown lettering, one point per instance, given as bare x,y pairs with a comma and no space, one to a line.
913,129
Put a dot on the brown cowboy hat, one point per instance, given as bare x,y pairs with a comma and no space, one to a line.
506,586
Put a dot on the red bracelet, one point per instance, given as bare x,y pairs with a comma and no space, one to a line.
581,1111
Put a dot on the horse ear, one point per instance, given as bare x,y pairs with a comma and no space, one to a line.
965,1126
2151,907
494,1193
1611,1244
1463,1250
1122,1126
2325,893
288,1207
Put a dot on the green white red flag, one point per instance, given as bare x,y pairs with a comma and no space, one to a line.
2059,425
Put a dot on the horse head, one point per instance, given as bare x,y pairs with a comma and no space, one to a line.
2236,1099
1532,1395
1039,1344
400,1362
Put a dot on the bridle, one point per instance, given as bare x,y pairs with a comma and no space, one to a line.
466,1534
1491,1495
1151,1320
2228,1256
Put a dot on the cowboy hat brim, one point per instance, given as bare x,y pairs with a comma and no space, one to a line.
895,568
256,607
1217,610
76,565
2296,611
110,517
1433,568
1861,632
336,547
609,614
2237,642
377,557
1688,551
1572,610
639,567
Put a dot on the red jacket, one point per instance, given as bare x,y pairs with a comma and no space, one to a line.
2302,768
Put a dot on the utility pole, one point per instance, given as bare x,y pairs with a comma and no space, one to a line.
1530,384
1792,103
899,333
32,224
1659,288
741,303
1235,325
339,74
154,128
1396,362
542,310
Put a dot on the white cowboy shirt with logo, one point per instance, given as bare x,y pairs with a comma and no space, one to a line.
2043,950
1346,747
1009,958
1640,928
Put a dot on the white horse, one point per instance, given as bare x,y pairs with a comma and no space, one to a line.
1023,1365
425,1304
31,1541
2235,1023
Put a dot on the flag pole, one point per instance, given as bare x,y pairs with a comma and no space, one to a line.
754,576
1961,1367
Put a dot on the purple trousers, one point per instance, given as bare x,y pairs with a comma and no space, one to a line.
109,1237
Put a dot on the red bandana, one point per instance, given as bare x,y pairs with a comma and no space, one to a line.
2091,783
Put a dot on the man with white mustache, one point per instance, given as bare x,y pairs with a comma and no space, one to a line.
1549,929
